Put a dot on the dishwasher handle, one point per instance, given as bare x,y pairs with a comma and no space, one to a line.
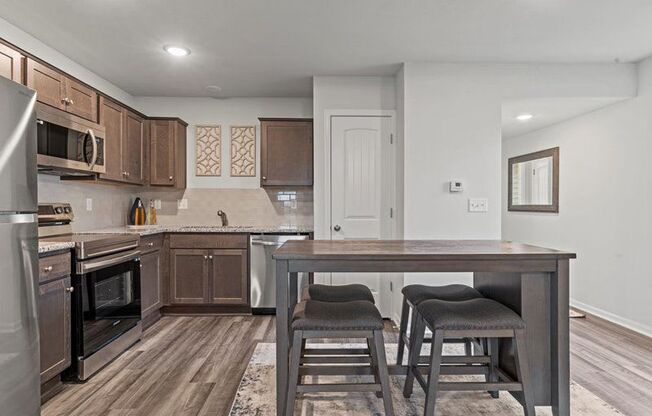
265,243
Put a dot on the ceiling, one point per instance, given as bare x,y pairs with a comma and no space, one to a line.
273,48
546,112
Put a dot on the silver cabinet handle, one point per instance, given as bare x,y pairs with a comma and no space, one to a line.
47,269
205,257
210,257
65,100
150,244
170,178
265,243
337,227
71,102
264,178
70,289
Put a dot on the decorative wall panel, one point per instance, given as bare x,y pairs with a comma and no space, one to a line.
208,150
243,151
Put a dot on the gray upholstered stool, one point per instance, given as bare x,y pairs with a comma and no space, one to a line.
481,318
344,320
341,293
413,295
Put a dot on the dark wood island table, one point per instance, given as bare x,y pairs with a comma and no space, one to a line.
533,281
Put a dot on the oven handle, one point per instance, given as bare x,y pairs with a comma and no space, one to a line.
88,266
94,141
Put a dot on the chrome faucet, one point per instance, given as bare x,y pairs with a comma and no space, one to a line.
222,215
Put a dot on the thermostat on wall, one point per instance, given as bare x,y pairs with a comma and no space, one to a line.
456,186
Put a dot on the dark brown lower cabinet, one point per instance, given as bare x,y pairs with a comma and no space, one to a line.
150,283
209,277
229,277
54,327
188,276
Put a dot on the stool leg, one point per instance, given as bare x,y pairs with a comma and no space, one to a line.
293,378
373,354
523,370
433,375
405,312
416,340
381,360
468,349
492,351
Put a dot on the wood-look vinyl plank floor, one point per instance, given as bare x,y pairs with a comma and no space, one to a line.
192,366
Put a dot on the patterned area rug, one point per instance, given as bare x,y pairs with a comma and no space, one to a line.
256,396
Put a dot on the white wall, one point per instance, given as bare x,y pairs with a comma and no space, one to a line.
605,200
226,112
25,41
452,132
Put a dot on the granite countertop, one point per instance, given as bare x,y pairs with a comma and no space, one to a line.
50,246
158,229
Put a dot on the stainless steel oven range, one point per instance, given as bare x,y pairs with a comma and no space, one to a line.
106,308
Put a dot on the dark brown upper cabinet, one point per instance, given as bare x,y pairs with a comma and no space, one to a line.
125,143
11,63
286,152
168,152
56,89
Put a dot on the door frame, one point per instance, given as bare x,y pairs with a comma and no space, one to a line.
327,149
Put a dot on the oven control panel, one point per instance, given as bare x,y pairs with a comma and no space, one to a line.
50,213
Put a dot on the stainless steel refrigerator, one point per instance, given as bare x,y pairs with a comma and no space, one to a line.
19,334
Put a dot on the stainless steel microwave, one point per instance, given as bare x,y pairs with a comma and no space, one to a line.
67,144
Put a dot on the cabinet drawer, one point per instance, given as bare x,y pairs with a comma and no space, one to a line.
150,243
208,241
52,267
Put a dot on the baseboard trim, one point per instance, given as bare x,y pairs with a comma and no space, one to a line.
613,318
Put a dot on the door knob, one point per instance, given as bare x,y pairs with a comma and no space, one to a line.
337,227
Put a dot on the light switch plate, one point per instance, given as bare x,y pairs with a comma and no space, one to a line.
157,203
478,205
182,203
89,204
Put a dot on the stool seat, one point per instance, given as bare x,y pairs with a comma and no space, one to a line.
340,293
313,315
473,314
416,294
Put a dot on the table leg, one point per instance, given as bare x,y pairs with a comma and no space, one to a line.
560,348
294,295
282,334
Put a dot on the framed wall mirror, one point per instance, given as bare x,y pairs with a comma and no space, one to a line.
534,182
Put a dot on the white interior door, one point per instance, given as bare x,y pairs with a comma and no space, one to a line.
362,189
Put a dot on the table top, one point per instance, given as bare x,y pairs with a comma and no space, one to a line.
415,250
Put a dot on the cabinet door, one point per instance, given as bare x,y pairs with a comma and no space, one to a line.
188,276
150,282
81,100
49,84
11,63
162,152
286,152
133,148
54,327
112,117
229,285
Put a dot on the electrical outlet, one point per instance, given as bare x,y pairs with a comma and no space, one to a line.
89,204
182,203
478,205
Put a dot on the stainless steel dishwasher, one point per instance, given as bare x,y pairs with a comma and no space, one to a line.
263,270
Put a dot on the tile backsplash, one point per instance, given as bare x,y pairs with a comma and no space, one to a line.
258,207
111,204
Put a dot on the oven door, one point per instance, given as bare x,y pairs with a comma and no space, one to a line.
108,300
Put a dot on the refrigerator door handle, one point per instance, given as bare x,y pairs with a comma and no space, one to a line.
18,218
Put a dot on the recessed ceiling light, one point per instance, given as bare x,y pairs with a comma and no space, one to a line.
524,117
176,50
